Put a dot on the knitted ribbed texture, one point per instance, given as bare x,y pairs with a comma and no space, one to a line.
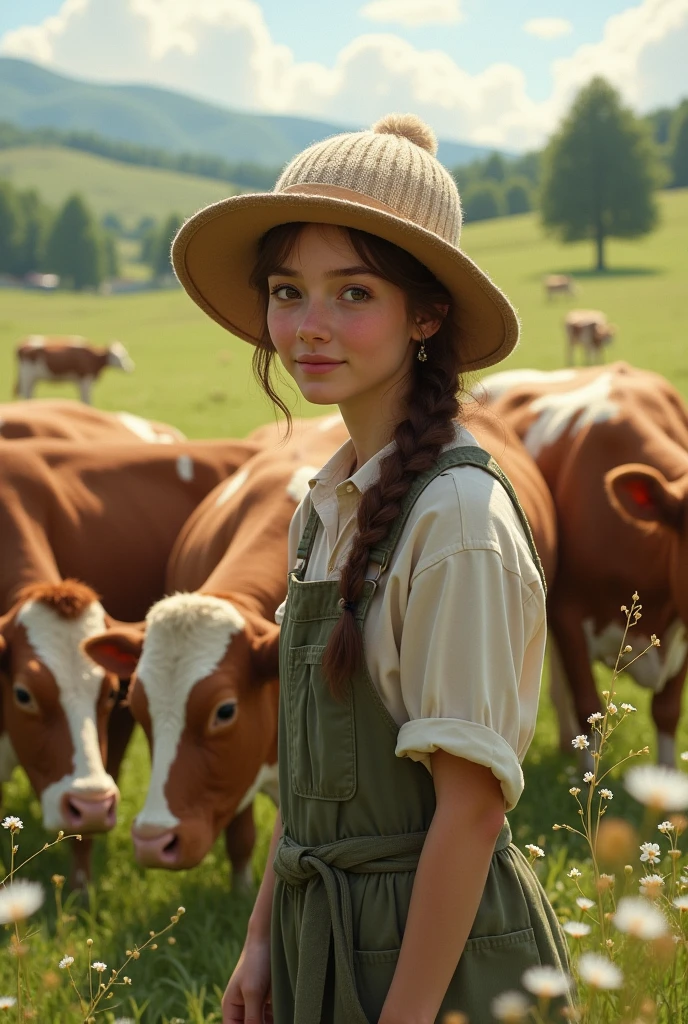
386,167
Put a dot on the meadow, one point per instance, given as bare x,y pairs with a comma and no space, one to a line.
191,373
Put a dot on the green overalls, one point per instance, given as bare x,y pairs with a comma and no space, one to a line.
355,817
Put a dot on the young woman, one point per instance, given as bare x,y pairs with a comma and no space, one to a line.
414,626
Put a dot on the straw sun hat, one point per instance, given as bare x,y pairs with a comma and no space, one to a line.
385,180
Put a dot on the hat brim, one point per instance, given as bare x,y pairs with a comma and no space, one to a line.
215,251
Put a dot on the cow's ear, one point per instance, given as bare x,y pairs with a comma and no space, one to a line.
265,651
643,495
116,651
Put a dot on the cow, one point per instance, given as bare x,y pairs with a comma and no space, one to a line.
205,682
74,421
66,358
558,284
612,444
588,329
85,535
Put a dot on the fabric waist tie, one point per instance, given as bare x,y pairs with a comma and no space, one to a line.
327,908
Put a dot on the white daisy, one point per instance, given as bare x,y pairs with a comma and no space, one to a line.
612,709
99,966
534,851
665,827
599,972
577,929
657,786
574,791
681,903
546,982
66,961
651,885
510,1007
7,1002
580,742
650,852
575,873
13,823
640,918
596,717
684,755
607,794
584,903
628,708
20,900
588,777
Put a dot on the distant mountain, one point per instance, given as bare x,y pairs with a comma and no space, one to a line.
33,97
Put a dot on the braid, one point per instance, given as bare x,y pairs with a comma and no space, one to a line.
431,409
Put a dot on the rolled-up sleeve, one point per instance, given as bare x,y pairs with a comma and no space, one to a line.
470,664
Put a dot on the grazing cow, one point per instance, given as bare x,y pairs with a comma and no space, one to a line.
205,688
612,444
109,518
558,284
68,358
588,329
73,421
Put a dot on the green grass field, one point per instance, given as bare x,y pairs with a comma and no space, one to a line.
126,190
189,372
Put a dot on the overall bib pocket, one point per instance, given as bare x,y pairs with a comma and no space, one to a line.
374,971
322,746
490,963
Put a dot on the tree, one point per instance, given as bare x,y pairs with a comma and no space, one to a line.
161,264
679,146
517,196
74,249
600,172
10,228
494,168
36,219
483,201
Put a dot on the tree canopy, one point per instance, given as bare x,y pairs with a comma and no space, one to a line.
74,249
600,172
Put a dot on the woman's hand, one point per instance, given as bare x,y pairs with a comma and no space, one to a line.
247,996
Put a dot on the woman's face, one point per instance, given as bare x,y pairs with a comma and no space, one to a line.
342,332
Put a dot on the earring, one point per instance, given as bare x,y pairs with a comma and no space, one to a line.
422,356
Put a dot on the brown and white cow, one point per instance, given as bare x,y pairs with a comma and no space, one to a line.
558,284
205,688
588,330
612,444
74,421
66,358
108,517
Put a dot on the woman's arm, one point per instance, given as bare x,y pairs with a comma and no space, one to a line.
451,875
259,921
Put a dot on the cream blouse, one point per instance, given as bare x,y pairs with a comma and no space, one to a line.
455,634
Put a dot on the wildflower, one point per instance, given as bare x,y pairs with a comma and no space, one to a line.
605,882
66,961
665,827
612,709
657,786
655,641
546,982
574,791
510,1007
636,596
627,649
7,1002
99,966
580,742
598,972
640,918
650,885
534,850
577,929
13,824
596,717
20,900
681,902
650,852
584,903
588,777
684,755
607,794
628,708
574,873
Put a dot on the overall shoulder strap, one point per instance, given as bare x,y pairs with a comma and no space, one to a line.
464,455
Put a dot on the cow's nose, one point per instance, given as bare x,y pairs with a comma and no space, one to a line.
95,812
155,847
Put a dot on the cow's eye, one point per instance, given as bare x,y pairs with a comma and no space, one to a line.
224,714
23,697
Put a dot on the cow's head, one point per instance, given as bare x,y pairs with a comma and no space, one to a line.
56,704
119,357
644,497
204,688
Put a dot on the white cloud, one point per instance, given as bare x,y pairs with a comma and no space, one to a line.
223,51
413,13
548,28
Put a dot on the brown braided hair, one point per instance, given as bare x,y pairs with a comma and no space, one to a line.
431,406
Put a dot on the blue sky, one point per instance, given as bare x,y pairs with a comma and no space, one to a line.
470,67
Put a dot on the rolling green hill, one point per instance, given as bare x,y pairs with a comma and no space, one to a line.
109,187
33,97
